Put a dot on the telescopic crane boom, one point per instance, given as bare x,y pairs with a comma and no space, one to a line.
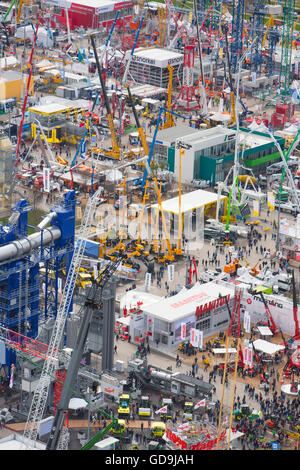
115,152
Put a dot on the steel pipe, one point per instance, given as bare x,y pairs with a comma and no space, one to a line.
18,248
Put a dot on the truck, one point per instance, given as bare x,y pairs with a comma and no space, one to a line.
144,410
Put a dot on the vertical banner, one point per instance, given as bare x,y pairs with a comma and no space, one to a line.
247,321
250,356
95,271
82,148
148,280
171,270
11,380
221,105
183,331
46,179
200,339
150,327
59,284
271,201
256,208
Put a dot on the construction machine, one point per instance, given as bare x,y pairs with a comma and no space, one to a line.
115,151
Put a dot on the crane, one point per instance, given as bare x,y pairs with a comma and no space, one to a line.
92,301
17,158
169,117
115,151
41,391
124,79
138,125
273,327
161,110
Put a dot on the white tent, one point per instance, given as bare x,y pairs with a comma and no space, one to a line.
77,404
264,331
113,175
267,347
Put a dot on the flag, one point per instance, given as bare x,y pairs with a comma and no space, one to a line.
11,380
162,410
200,403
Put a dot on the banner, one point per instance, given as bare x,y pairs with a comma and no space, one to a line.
200,342
271,201
148,280
247,322
183,331
11,380
82,149
200,403
46,179
256,208
248,355
95,271
164,409
194,337
171,271
221,105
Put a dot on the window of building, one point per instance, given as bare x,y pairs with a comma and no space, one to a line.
203,324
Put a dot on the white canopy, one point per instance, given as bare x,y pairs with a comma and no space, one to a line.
189,201
223,351
77,403
265,331
267,347
124,320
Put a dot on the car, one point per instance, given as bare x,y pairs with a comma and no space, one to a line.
246,412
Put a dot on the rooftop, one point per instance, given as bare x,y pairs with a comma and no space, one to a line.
189,201
184,304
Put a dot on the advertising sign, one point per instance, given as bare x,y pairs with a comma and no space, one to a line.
46,179
189,322
183,331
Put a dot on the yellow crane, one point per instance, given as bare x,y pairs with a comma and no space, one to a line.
169,117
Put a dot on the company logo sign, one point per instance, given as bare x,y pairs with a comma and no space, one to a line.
201,309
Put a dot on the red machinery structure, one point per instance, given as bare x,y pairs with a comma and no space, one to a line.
187,98
294,360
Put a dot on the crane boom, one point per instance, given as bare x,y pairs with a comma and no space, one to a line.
93,299
116,152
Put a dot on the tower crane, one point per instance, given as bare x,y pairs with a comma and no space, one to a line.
124,79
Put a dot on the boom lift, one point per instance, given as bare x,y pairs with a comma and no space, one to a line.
273,327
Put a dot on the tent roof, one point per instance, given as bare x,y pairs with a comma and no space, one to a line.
267,347
189,201
184,304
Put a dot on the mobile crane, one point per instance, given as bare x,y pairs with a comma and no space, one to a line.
115,151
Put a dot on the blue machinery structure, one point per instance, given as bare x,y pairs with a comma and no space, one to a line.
237,27
52,244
